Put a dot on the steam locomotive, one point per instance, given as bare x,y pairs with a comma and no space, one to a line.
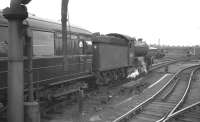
105,58
117,56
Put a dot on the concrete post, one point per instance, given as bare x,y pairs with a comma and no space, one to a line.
15,15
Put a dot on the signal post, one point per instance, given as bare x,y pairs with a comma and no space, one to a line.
15,14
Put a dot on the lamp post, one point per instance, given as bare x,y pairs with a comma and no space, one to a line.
15,14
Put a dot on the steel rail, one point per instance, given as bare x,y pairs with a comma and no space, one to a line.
119,119
168,62
183,97
157,66
138,107
183,110
164,61
186,92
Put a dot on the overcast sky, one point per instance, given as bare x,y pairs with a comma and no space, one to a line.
175,22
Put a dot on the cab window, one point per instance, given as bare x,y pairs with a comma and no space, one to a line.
3,42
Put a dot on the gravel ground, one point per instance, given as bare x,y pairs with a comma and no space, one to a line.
106,104
104,101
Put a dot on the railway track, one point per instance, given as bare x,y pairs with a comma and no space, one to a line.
162,64
188,114
168,61
113,115
165,102
57,103
54,105
189,109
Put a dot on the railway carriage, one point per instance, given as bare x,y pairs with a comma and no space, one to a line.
48,69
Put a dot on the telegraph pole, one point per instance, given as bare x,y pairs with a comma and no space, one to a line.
64,9
15,14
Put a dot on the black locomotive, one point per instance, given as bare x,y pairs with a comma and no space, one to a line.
116,56
103,57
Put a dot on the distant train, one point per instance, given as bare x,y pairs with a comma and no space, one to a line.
156,53
103,57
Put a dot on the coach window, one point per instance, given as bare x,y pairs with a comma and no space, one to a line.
88,47
80,44
43,43
58,44
71,44
89,43
130,45
3,41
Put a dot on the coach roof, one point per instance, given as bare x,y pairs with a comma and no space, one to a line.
42,24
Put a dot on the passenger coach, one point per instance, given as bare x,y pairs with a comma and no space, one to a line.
48,57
